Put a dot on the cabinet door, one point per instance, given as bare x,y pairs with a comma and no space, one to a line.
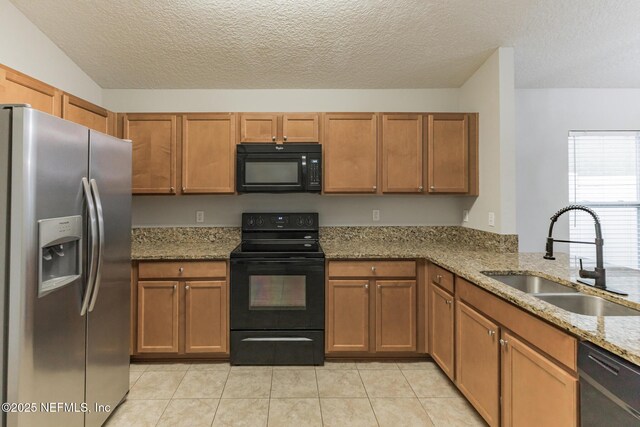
158,317
206,317
478,361
402,155
17,88
258,127
300,128
535,391
350,153
441,320
208,153
396,315
347,315
87,114
448,153
154,138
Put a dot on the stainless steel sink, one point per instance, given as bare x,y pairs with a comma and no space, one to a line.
532,284
588,305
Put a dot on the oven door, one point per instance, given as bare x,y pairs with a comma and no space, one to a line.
269,173
268,294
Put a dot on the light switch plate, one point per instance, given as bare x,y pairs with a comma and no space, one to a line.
465,215
376,215
492,219
199,216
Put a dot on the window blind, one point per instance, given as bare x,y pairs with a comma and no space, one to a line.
604,174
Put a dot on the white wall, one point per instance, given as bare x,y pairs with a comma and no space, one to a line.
25,48
490,91
265,100
544,118
334,210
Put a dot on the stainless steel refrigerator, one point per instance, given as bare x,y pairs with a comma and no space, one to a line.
65,249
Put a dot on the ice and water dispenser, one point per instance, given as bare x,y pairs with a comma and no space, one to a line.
60,247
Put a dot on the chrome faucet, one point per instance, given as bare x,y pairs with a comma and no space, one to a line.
599,273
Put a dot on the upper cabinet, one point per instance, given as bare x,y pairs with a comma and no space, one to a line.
18,88
208,153
350,153
402,153
279,128
154,138
451,141
87,114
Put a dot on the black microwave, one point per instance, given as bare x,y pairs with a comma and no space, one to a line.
279,168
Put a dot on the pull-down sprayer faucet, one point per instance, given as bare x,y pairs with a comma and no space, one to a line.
598,273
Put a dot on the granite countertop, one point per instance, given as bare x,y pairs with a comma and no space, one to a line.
467,254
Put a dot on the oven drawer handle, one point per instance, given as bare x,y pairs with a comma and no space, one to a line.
283,339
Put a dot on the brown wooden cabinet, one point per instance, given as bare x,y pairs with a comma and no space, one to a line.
154,138
478,361
206,317
158,317
396,315
402,153
208,153
279,128
371,307
182,308
87,114
347,323
350,153
535,391
441,323
18,88
448,153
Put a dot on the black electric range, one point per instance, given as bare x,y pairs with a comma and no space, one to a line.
277,291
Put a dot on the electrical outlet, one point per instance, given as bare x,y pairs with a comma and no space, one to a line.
376,215
199,216
465,215
492,219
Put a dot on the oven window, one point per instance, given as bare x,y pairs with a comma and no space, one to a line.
277,293
271,172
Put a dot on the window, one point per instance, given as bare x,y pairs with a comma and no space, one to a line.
604,174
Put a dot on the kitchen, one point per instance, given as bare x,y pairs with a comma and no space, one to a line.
355,238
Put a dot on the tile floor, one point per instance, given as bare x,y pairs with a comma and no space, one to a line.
337,394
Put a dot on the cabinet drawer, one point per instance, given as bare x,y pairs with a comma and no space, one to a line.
441,277
557,344
182,269
372,269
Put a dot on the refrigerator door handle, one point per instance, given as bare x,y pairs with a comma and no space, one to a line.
98,202
93,255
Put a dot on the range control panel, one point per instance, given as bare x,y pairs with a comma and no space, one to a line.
279,221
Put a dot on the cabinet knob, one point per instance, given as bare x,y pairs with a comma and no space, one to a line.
273,138
438,278
175,287
366,286
504,343
432,187
284,137
375,187
491,333
373,268
184,189
181,270
173,189
421,188
448,302
186,287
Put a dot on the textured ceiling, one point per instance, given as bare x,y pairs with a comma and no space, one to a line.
342,44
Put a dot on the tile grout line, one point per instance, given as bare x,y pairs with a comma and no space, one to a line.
418,398
171,398
368,397
221,393
315,375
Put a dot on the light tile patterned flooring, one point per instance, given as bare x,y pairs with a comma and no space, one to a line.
338,394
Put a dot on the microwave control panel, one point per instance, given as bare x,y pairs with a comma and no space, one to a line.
314,174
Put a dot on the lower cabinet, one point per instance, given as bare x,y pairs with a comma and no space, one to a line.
478,361
441,322
535,391
181,309
371,308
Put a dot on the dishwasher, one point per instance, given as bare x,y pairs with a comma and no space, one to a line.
609,388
